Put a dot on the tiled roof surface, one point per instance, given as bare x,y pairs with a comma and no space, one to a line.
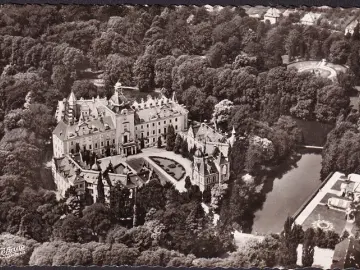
65,131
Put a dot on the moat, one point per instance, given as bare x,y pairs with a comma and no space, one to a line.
287,192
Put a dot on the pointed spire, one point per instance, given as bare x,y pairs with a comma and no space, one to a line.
233,131
72,98
81,119
173,97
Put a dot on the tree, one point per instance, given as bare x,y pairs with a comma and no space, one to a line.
178,144
163,69
339,52
118,69
144,72
194,100
290,238
188,183
121,203
100,189
33,226
170,138
217,55
292,43
185,149
84,89
97,219
207,195
71,229
308,248
159,142
222,112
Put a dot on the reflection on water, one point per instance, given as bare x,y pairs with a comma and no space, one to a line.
286,193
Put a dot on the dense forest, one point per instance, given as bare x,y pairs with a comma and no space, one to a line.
220,64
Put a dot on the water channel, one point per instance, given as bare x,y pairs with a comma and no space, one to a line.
287,192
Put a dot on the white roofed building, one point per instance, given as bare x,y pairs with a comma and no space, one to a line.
310,18
272,15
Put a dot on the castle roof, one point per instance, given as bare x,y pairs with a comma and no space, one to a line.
153,109
207,166
205,132
65,131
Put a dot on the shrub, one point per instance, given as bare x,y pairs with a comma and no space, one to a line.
172,166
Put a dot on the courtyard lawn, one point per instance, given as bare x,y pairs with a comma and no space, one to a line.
176,170
331,195
321,212
137,162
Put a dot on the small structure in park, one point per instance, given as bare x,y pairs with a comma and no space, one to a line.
272,15
310,18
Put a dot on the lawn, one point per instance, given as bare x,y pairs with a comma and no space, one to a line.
337,185
171,167
137,163
330,195
336,218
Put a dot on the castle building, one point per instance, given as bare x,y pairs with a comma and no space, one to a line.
114,126
69,171
211,162
272,15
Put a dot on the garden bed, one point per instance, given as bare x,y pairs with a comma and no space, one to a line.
171,167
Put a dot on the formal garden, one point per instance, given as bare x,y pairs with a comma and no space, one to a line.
173,168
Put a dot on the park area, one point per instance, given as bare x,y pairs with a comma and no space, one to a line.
171,167
327,219
319,68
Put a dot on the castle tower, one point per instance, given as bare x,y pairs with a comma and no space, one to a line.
70,108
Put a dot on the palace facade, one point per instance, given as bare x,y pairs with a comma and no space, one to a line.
114,126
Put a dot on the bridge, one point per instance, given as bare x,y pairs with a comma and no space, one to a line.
312,147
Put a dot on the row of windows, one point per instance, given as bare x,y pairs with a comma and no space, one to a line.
153,132
211,179
159,123
96,145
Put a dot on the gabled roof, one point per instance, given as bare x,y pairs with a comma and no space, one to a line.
273,12
65,131
208,133
60,130
311,17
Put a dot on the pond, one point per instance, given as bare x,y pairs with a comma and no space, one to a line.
286,193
